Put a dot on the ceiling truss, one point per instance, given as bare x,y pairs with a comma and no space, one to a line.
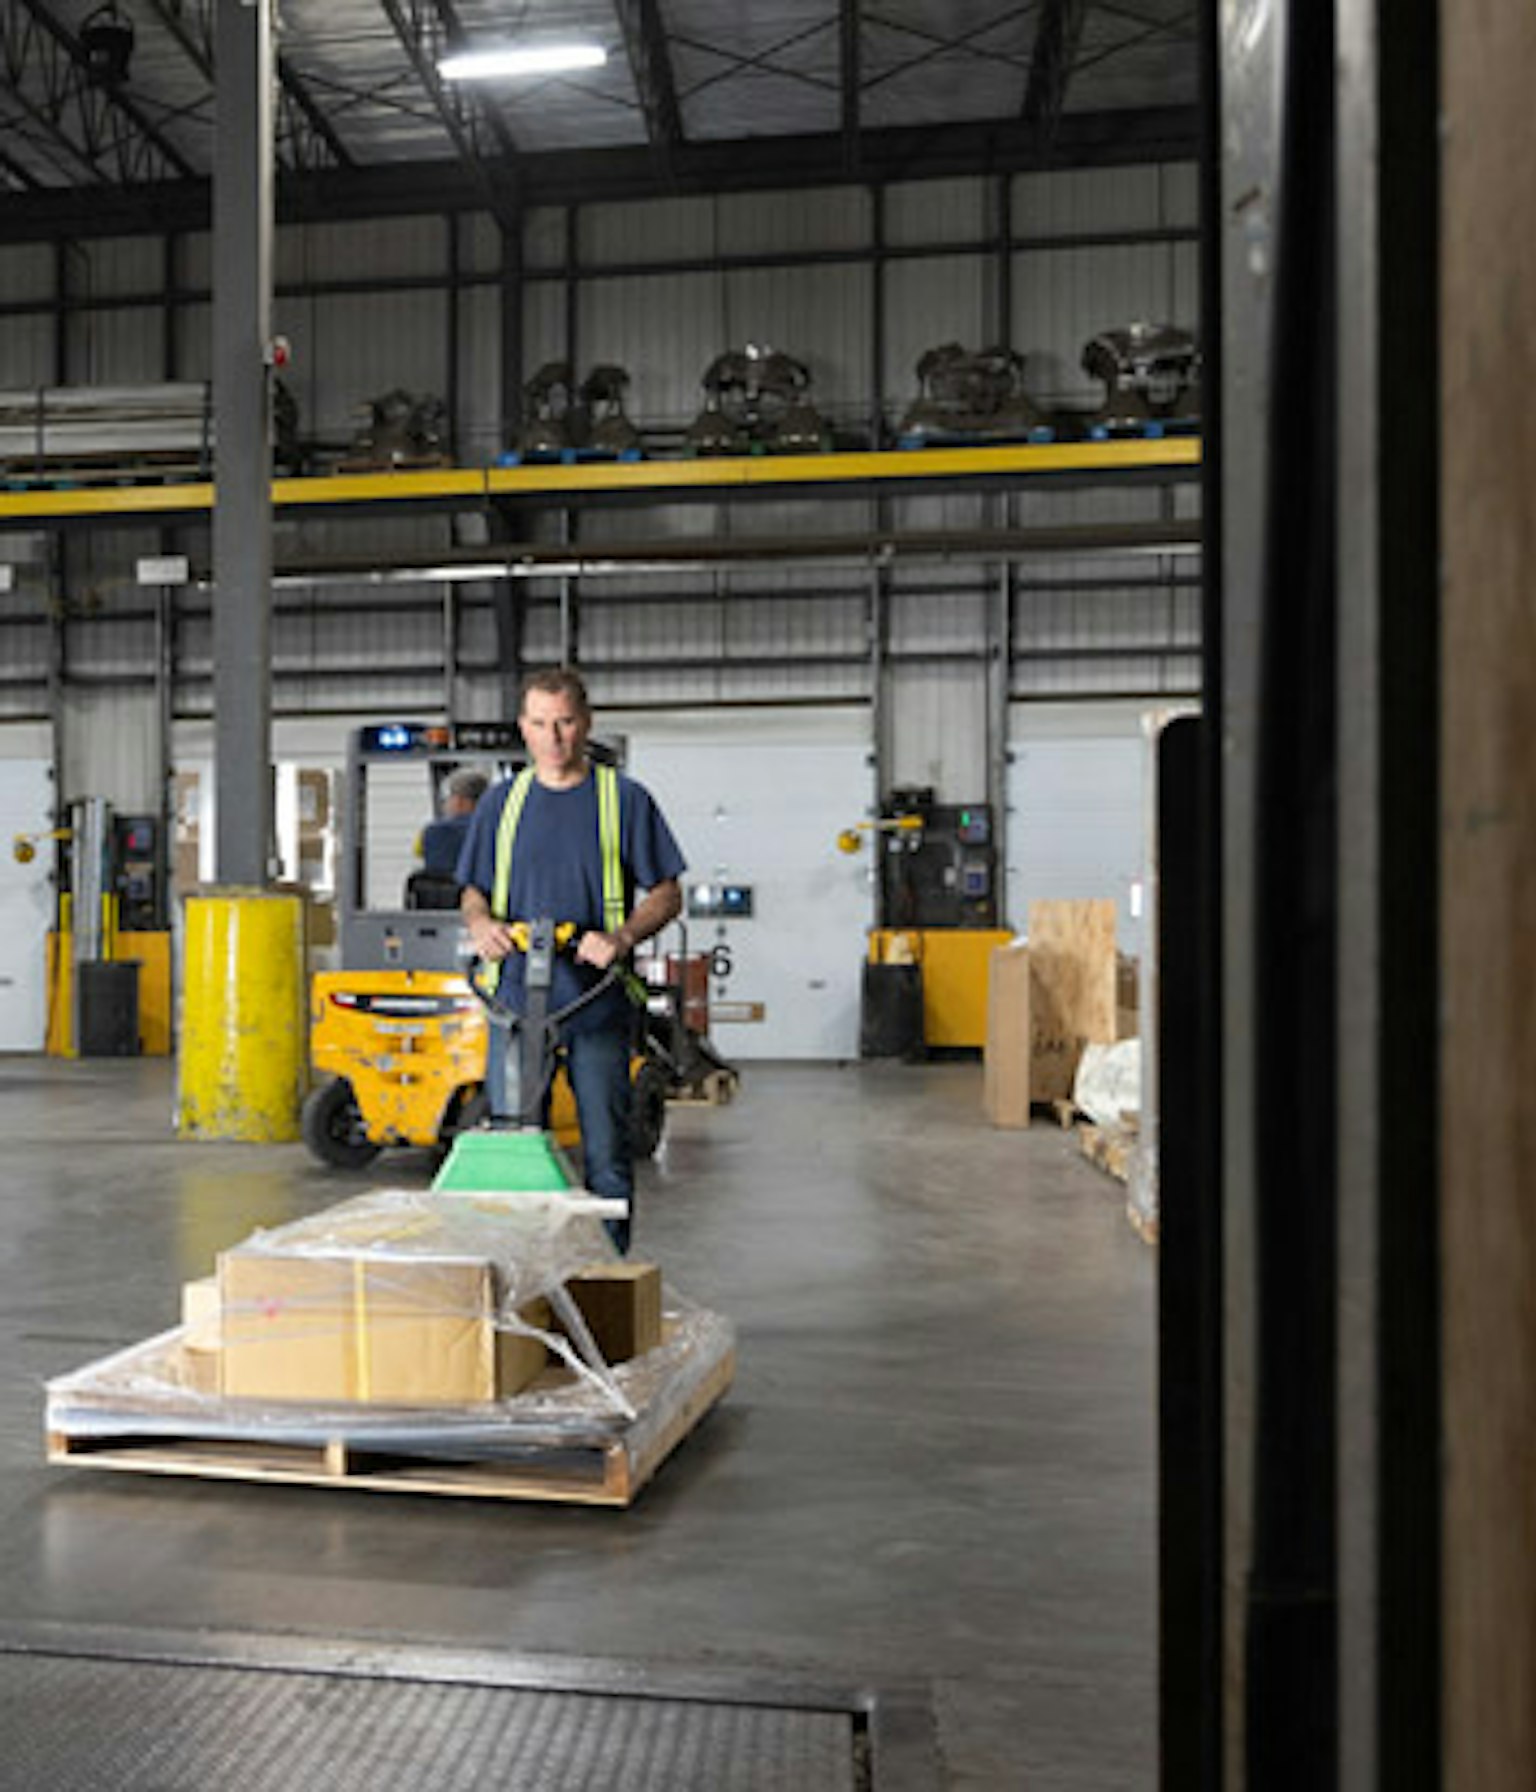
394,135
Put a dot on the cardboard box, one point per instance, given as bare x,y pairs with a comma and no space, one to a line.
1006,1059
314,800
320,924
1072,961
369,1327
200,1313
621,1303
199,1366
519,1359
184,868
198,1371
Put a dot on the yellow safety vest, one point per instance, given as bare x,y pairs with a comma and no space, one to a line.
608,849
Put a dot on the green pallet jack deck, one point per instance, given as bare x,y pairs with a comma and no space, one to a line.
504,1162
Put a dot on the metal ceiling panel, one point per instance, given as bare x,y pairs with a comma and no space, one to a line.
759,68
1127,52
352,62
926,63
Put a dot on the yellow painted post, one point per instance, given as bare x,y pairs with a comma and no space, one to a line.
244,1063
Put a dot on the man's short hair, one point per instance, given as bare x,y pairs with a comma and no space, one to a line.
469,785
555,681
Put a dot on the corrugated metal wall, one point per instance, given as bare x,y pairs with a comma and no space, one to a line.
1089,250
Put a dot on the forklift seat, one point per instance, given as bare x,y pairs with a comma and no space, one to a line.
431,889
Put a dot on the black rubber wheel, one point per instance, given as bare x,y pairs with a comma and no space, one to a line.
333,1127
648,1110
474,1110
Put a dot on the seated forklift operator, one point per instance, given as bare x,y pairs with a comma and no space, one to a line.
443,840
572,841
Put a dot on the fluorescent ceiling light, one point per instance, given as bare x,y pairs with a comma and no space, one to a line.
540,59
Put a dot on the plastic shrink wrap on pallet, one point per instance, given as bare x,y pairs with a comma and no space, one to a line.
413,1321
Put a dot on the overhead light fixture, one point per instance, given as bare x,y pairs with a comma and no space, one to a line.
535,59
106,46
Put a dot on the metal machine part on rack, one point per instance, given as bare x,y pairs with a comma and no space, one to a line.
547,399
971,397
1151,375
398,429
608,433
567,422
757,401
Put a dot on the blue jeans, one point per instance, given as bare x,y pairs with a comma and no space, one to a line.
597,1064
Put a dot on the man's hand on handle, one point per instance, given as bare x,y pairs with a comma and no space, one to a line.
601,949
491,939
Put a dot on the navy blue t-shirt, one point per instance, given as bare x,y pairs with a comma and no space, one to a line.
557,870
441,843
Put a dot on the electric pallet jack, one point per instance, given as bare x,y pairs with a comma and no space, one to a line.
517,1143
515,1157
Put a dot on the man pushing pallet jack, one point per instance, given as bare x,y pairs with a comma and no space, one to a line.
572,838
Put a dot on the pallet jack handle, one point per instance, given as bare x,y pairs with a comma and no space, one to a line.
536,1030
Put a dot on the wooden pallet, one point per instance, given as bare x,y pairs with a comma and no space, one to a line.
1110,1147
610,1474
711,1091
1144,1225
394,463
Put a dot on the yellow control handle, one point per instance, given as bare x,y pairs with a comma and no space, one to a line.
565,932
849,841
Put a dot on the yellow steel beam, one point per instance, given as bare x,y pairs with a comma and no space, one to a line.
106,500
836,469
472,485
382,488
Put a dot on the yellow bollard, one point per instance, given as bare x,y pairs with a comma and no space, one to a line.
244,1064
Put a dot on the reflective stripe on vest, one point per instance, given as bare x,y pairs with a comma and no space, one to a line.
608,843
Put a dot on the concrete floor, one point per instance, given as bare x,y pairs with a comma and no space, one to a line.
936,1465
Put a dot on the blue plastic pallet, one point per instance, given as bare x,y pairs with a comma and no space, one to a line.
1037,437
567,457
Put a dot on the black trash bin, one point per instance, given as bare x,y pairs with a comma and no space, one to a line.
108,1009
891,1016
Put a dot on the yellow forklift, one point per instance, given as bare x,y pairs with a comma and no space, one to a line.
397,1039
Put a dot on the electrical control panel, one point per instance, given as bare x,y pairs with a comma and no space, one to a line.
941,872
137,874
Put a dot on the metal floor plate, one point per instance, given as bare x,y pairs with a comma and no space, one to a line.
104,1712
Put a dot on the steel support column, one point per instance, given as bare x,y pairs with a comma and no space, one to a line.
877,331
1391,1450
999,689
572,260
512,336
1242,241
453,327
242,516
